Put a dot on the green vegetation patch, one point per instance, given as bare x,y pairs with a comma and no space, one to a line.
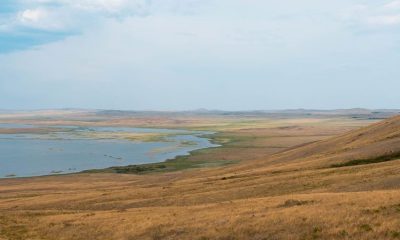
293,203
379,159
177,164
197,159
366,227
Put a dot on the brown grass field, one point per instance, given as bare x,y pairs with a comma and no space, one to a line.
315,177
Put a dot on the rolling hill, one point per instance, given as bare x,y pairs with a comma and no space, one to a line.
341,187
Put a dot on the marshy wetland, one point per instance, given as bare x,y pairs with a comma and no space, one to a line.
66,149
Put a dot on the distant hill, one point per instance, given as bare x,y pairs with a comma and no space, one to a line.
289,113
354,113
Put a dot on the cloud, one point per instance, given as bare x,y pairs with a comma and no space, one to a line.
41,19
375,16
108,7
169,53
394,5
385,20
32,15
69,17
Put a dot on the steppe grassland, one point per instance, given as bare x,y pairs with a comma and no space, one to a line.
214,203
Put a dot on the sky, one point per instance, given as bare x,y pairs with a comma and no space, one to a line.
191,54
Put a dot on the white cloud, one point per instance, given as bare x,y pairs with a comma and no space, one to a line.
76,15
43,18
69,15
108,6
393,5
384,20
374,15
255,49
38,18
32,15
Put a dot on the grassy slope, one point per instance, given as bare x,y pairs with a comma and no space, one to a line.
270,194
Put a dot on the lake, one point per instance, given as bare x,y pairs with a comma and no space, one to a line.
74,149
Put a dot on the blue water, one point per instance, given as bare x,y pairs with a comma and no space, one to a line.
24,155
15,125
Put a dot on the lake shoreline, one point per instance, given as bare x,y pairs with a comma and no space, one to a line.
169,164
178,163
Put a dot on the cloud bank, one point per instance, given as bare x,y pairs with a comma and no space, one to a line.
185,54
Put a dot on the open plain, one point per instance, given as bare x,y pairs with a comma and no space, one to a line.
285,175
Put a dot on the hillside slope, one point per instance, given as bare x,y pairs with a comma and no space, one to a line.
294,194
375,143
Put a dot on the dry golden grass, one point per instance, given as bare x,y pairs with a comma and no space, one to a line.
279,190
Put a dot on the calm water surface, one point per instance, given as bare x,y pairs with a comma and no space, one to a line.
23,155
